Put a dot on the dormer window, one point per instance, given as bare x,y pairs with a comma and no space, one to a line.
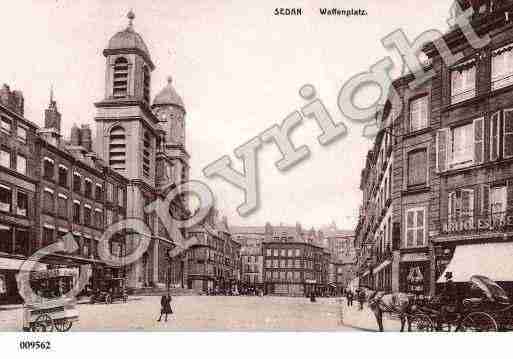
146,84
120,82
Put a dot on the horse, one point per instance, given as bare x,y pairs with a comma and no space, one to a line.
398,303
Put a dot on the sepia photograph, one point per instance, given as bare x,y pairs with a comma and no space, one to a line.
310,167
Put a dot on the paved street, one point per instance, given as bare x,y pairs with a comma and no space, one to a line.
212,313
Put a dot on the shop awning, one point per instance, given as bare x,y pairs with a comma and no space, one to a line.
492,260
15,264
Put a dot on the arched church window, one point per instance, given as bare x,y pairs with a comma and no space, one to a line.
146,83
120,84
146,154
117,148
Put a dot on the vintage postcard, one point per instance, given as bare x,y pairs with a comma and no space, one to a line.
177,166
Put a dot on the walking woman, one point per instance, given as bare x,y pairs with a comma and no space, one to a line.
165,307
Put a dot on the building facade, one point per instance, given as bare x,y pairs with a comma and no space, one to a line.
436,183
144,142
472,113
296,262
214,262
51,186
19,173
251,239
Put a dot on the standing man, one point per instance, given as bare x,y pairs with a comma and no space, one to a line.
349,296
165,306
361,298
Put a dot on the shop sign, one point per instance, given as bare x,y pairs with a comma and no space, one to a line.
480,224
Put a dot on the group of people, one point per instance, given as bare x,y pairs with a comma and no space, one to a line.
359,295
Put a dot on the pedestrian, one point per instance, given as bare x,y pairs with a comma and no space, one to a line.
165,307
349,296
361,298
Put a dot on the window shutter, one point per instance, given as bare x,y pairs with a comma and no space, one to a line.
494,136
450,204
485,199
508,134
479,140
467,202
509,196
442,149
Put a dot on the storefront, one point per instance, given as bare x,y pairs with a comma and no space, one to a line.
491,259
383,276
414,273
9,268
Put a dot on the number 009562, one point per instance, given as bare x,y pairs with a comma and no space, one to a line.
35,345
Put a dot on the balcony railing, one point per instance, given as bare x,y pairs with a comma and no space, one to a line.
478,224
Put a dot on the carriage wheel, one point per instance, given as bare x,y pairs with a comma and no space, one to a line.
108,299
43,323
422,323
63,325
478,322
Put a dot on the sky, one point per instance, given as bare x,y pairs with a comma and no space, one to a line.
238,69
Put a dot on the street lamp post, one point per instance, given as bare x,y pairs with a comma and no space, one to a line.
169,271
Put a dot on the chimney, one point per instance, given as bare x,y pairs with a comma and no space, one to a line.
19,102
12,100
86,138
75,136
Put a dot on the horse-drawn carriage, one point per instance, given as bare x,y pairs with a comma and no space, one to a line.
489,310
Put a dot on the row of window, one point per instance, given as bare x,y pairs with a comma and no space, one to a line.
291,252
290,263
486,200
80,213
250,259
283,276
463,85
85,186
18,162
462,204
467,144
250,268
87,247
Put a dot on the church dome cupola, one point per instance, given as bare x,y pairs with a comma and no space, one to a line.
127,42
168,96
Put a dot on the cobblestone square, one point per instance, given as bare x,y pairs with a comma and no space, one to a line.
200,313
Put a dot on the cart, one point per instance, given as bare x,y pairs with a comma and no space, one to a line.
51,308
491,310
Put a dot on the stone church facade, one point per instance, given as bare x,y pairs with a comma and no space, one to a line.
145,142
